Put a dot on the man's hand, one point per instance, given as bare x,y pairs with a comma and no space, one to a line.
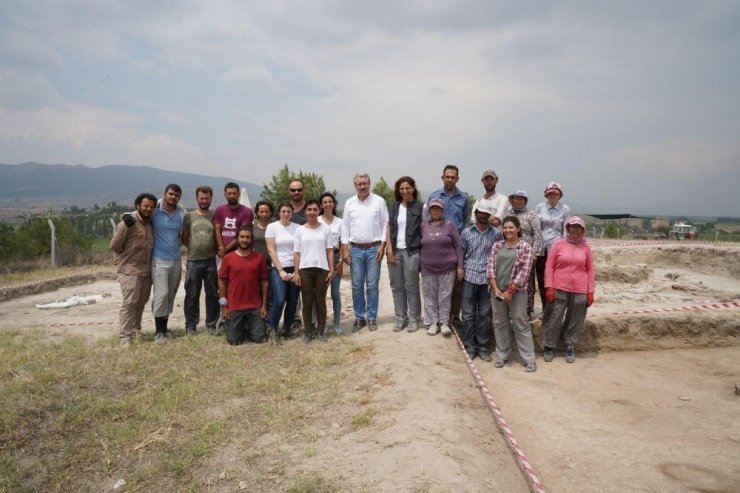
129,219
225,312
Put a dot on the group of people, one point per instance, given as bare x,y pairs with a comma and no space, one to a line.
478,278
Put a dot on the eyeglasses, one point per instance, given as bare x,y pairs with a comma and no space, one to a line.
295,189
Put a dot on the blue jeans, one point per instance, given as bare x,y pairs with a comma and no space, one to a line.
284,297
365,272
336,299
476,317
201,273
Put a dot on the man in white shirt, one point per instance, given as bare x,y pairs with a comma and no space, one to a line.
497,203
363,244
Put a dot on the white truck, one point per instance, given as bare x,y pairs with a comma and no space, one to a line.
682,231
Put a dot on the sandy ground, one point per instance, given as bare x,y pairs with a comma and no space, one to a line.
648,406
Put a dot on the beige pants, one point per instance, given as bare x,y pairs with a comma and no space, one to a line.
135,293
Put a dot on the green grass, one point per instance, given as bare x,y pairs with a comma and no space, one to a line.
77,415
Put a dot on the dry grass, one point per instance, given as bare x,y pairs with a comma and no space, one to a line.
192,415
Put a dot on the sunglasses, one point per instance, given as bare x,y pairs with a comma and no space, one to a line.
295,189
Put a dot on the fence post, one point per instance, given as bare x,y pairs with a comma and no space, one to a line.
53,243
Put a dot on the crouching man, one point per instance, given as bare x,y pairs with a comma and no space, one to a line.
242,286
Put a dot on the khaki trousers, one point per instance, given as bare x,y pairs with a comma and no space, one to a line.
135,293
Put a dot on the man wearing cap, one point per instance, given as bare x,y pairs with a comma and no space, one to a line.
363,245
553,216
476,242
455,210
494,201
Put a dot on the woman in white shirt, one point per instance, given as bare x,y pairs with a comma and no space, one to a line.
280,238
328,216
313,257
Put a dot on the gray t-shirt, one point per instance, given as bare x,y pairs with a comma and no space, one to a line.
505,260
202,244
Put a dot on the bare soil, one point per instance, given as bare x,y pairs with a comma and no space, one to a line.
649,405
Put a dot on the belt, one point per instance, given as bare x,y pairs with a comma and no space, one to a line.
364,246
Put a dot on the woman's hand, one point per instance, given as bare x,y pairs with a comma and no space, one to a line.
589,299
329,276
550,294
460,273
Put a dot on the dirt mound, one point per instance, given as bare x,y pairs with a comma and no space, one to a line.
27,289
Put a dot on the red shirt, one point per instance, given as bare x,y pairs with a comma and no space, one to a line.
243,277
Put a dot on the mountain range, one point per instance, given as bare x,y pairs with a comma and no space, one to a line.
35,185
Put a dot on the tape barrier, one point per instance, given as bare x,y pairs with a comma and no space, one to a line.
107,322
666,243
723,305
533,481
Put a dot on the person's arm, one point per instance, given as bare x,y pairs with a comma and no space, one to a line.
222,289
389,246
384,222
265,285
538,247
297,266
219,239
458,251
344,236
119,238
591,272
185,236
491,271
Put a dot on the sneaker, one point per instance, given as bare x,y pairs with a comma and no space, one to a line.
433,330
305,340
338,330
191,331
570,354
372,325
400,325
297,324
500,362
211,329
125,341
322,338
160,338
484,356
548,354
413,326
471,355
446,330
531,367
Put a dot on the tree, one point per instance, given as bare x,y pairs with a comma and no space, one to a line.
611,230
382,188
646,223
277,190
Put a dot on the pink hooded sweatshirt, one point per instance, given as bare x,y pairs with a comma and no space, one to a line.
570,263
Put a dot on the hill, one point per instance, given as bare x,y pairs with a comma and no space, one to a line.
43,186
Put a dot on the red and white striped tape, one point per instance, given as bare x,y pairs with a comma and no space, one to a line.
666,243
105,322
701,306
533,481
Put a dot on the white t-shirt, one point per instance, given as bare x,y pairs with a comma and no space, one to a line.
284,237
311,244
401,223
336,229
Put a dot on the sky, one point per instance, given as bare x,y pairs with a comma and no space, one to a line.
632,106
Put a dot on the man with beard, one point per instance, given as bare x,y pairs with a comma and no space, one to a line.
132,244
242,285
295,188
495,202
198,236
228,218
167,220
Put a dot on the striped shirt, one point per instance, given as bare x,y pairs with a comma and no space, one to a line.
476,246
522,266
